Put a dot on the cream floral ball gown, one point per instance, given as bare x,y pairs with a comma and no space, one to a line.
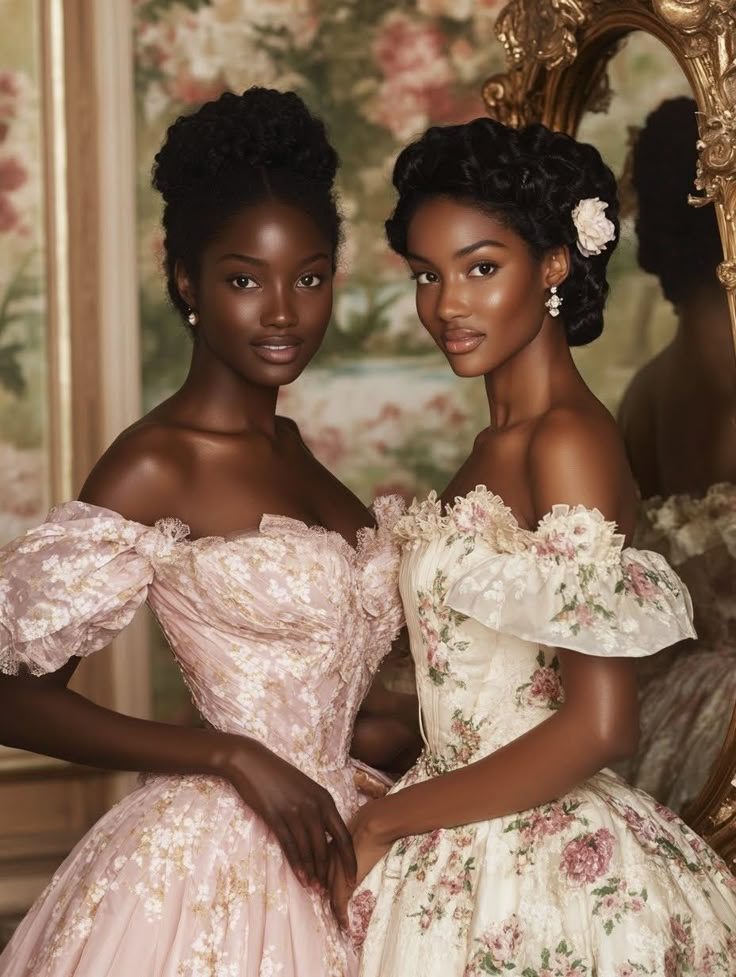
278,633
602,882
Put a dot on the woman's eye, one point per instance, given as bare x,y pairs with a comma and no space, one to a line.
482,269
309,280
244,281
425,278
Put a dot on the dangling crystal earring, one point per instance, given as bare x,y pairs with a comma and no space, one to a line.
192,318
554,302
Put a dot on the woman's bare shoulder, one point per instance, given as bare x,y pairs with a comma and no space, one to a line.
142,470
577,457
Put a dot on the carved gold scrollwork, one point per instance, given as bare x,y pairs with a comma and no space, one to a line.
537,34
556,53
726,272
546,30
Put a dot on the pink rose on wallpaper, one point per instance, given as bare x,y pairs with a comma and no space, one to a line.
328,444
9,84
587,858
12,174
191,91
9,216
410,47
411,56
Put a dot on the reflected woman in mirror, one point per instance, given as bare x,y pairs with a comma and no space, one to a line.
510,846
678,417
276,589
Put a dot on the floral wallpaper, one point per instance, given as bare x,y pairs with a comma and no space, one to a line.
373,404
23,403
379,405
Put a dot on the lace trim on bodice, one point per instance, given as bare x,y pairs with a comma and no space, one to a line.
479,512
563,534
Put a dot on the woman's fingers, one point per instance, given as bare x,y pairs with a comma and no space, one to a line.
291,849
342,839
340,893
303,839
317,835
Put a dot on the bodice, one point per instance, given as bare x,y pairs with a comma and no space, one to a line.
488,604
277,631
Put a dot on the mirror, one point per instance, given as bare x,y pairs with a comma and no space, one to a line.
638,81
663,367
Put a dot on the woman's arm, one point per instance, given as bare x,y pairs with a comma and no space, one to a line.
597,724
138,480
42,715
571,461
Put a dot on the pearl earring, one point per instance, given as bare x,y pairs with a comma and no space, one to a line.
554,302
192,318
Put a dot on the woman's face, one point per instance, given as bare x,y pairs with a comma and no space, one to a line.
263,296
480,292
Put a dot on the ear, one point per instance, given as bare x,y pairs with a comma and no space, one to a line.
184,285
556,266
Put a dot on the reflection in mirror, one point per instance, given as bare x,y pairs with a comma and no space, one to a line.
677,412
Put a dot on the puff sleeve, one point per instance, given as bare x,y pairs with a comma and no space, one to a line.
574,585
68,586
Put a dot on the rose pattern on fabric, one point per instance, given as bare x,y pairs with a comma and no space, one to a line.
452,893
278,632
532,827
586,859
439,624
583,885
545,685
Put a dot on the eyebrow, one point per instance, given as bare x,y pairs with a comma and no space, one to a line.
463,252
249,259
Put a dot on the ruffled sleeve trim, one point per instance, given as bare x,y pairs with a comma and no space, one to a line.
572,584
68,586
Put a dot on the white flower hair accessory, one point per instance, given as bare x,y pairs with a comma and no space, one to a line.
594,229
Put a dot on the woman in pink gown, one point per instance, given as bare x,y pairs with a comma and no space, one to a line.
216,865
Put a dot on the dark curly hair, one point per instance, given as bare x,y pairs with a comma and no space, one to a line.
531,179
234,151
678,243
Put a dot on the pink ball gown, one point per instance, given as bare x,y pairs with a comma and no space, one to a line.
278,633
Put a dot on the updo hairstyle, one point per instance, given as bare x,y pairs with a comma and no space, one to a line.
678,243
531,179
235,151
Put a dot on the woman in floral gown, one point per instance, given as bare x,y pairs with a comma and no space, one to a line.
510,847
216,865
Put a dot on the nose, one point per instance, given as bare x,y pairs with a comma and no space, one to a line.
452,303
279,310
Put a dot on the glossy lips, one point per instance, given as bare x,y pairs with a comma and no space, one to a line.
458,341
278,349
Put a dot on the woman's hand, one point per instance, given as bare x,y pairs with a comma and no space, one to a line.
369,850
299,812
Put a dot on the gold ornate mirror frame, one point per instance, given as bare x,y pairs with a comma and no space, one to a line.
558,53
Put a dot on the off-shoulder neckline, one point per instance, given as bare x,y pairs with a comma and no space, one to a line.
178,532
429,516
